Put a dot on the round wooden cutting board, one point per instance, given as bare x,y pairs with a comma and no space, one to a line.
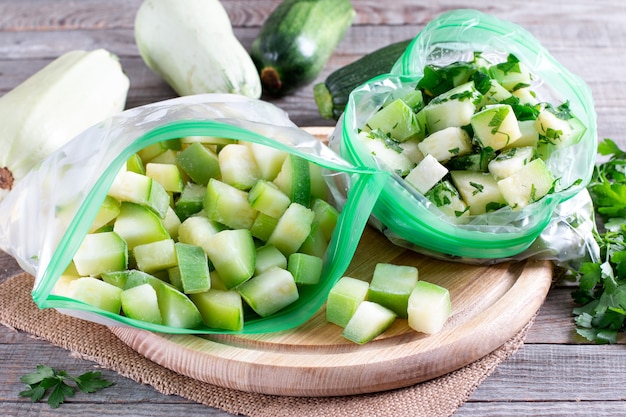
490,305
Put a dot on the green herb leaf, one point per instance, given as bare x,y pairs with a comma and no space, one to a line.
601,293
59,385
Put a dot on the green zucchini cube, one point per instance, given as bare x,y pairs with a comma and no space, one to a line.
391,286
193,265
292,229
344,298
220,309
141,303
306,269
397,120
97,293
228,205
270,291
368,321
155,256
199,162
101,252
233,255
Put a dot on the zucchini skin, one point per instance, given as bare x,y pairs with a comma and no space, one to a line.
296,41
331,96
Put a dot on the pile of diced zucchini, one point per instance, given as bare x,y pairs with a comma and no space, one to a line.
472,137
204,231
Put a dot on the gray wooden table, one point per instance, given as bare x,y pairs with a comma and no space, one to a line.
554,373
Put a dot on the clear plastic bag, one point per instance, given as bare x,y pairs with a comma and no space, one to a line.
45,217
411,220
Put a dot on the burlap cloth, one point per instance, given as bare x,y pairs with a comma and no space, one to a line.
438,397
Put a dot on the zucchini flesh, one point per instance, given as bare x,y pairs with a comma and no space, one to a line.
331,96
296,41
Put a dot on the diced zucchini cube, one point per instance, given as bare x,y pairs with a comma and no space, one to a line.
190,201
553,130
269,160
344,298
411,150
292,229
135,164
426,174
529,137
167,175
526,96
446,143
172,223
177,310
135,188
511,74
155,256
479,190
306,269
108,211
193,265
453,108
326,215
220,309
270,291
96,293
199,163
228,205
267,198
510,161
238,166
495,126
138,225
368,321
319,186
495,94
315,243
429,307
141,303
268,256
151,151
294,179
397,120
263,226
527,185
448,199
391,286
101,252
388,152
233,255
197,230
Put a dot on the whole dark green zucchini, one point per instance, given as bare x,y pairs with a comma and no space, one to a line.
296,41
331,96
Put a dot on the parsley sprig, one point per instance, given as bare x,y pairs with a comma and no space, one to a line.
601,293
59,385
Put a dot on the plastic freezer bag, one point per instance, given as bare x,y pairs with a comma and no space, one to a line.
410,219
45,217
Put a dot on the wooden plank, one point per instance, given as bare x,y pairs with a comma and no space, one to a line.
543,408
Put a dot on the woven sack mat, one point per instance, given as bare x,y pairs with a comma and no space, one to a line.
438,397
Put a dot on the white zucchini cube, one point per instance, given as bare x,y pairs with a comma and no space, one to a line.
429,307
453,108
448,199
510,161
238,166
479,190
426,174
392,158
446,143
530,135
530,183
552,129
495,126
